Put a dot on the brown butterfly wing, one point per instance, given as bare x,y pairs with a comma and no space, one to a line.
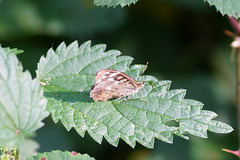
99,93
106,74
105,91
112,84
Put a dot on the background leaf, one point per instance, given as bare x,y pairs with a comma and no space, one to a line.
59,155
28,149
67,75
114,3
13,50
21,101
75,19
229,7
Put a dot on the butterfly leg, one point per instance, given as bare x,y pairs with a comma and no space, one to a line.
125,98
143,97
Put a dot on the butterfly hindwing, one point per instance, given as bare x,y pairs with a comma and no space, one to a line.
113,84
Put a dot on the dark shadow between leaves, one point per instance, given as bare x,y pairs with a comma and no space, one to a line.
71,97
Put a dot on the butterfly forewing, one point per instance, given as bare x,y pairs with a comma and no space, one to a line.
113,75
113,84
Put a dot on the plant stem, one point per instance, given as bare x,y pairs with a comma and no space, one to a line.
17,154
236,26
238,83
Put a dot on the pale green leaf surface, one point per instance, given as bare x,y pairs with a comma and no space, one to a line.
22,103
13,50
28,149
229,7
114,3
67,75
59,155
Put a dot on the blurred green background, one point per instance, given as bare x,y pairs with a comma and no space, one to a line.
182,40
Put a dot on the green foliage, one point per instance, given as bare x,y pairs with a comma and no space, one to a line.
6,154
67,75
74,18
28,149
114,3
13,50
21,101
59,155
229,7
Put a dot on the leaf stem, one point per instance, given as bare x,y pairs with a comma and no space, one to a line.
238,70
236,26
17,154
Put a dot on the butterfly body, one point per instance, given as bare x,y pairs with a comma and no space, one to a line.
111,83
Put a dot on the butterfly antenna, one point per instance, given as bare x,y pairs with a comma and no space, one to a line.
145,68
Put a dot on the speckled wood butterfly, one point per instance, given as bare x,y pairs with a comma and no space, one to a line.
111,83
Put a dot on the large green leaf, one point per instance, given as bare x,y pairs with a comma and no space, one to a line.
229,7
113,3
67,75
22,105
59,155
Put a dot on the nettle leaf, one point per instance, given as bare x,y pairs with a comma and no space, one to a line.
22,105
13,50
28,149
67,75
229,7
114,3
59,155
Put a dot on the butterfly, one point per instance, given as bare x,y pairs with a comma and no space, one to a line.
111,83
